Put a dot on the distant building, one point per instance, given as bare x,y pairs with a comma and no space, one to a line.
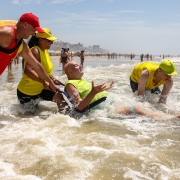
96,48
77,47
57,45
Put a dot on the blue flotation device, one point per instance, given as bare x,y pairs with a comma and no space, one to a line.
90,106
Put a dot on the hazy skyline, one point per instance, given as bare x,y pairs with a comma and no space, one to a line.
121,26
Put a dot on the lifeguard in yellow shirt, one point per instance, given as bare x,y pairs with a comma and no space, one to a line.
150,75
32,88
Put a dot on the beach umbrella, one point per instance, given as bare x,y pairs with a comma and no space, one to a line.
58,52
8,22
51,51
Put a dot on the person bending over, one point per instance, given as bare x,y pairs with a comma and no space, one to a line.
150,75
12,44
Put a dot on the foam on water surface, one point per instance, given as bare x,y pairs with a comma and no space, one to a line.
102,145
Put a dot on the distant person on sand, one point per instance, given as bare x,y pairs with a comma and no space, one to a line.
82,56
141,57
69,55
60,58
64,58
131,56
10,65
150,57
84,94
31,86
147,56
12,43
150,75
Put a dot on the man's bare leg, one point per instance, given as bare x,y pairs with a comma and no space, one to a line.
139,111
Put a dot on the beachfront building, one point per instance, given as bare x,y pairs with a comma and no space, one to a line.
96,48
77,47
57,45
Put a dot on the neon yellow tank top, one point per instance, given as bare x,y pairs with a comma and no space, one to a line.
151,67
84,88
31,87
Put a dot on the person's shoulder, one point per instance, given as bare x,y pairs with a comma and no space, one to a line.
6,30
6,34
35,49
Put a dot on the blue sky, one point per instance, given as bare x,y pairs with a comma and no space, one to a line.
121,26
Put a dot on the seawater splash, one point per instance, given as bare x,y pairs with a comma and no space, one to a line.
102,145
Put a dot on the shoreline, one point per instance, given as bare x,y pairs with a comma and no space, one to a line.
136,58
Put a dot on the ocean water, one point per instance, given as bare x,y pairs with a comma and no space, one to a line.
101,146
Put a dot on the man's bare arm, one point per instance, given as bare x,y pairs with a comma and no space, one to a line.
165,91
82,103
142,82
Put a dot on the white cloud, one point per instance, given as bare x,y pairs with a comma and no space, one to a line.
109,0
130,11
177,24
96,20
65,1
26,1
15,1
39,1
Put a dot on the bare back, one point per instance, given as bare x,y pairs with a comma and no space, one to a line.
6,36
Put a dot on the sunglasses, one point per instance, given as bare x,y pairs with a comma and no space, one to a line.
49,41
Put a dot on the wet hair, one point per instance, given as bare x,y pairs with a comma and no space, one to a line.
33,41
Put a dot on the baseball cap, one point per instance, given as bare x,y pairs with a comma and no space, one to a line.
168,67
31,19
46,34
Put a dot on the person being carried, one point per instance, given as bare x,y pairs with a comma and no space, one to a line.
12,43
31,86
83,94
150,75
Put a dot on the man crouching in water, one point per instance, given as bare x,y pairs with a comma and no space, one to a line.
84,94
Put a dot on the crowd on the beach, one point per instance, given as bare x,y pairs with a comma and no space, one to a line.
79,96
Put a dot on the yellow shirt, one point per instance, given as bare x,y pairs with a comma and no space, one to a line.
31,87
84,87
151,67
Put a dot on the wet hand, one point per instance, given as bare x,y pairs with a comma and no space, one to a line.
101,87
57,82
46,85
109,86
52,86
